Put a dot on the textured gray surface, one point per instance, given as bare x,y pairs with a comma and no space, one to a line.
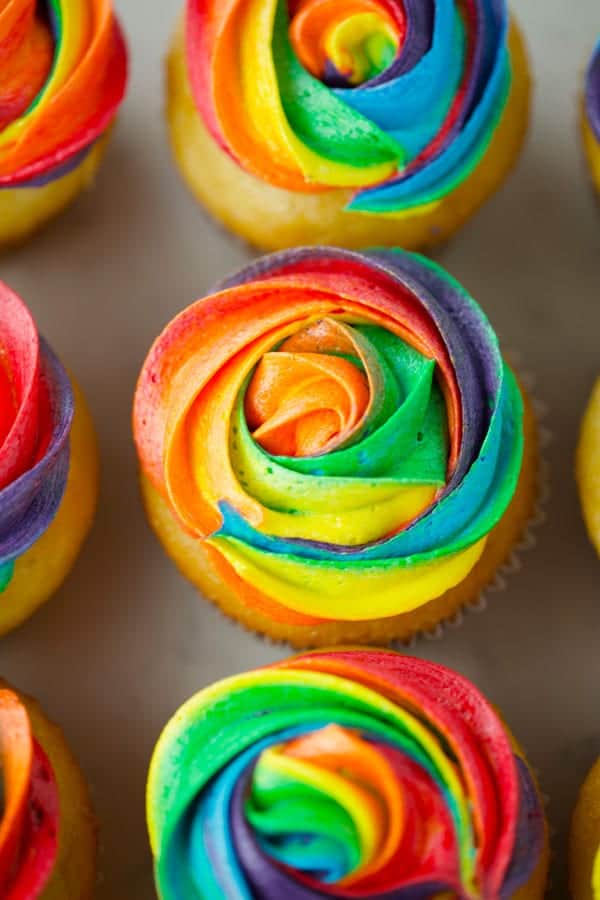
127,639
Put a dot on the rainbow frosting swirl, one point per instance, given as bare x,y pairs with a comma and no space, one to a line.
339,429
397,100
63,71
29,812
592,94
36,412
341,774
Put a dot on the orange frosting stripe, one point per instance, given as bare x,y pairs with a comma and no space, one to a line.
25,46
16,754
302,404
312,18
225,109
63,73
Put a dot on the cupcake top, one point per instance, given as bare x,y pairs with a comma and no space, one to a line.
63,69
341,774
592,93
29,811
36,412
340,429
397,101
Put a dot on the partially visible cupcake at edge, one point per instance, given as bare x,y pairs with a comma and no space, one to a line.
591,116
347,122
47,827
587,466
48,466
63,73
344,774
333,448
585,840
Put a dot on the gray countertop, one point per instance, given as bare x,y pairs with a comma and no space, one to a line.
127,639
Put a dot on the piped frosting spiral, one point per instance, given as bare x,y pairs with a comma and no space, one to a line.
341,774
63,71
396,99
339,429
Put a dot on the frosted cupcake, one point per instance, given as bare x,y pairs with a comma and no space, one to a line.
48,467
344,774
333,448
63,68
352,123
47,828
591,116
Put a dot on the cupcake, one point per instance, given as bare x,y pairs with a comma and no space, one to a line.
585,840
591,116
587,466
63,68
333,448
351,123
344,774
47,828
48,467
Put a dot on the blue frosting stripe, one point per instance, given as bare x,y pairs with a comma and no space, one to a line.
467,142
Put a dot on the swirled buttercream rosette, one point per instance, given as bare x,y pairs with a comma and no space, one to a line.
333,446
344,774
591,115
63,70
47,839
45,510
388,121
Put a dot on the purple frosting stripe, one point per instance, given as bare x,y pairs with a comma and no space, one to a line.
592,94
29,504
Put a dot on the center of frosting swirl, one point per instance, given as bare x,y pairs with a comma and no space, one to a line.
328,805
346,44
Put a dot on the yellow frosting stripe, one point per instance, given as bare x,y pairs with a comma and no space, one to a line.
311,588
596,877
266,114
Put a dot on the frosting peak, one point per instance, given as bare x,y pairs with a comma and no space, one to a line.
341,774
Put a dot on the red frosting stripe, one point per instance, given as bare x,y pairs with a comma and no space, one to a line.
30,822
21,430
